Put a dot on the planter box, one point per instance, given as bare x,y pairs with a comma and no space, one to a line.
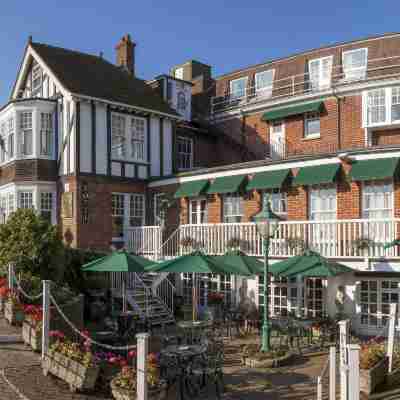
76,375
371,378
267,363
13,314
31,336
152,394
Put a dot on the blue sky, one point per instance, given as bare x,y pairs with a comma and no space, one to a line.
224,34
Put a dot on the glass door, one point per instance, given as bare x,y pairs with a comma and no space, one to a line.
197,211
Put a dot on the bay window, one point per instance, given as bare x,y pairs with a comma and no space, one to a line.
320,73
3,138
26,133
238,88
355,64
395,106
11,203
118,136
46,205
10,141
136,210
46,133
264,82
232,208
137,139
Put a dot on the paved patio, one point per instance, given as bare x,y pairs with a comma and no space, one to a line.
20,371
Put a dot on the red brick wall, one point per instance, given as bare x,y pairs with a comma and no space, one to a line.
386,138
352,132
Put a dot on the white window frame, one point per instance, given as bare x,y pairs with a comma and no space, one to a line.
37,89
198,212
389,95
11,137
184,158
319,191
236,208
3,134
279,201
234,96
322,82
267,90
308,117
179,73
23,131
355,74
157,199
46,199
377,184
46,134
137,134
26,196
116,212
118,136
136,210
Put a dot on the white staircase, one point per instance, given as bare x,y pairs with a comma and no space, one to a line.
143,296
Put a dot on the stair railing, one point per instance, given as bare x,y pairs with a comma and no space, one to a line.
171,246
165,291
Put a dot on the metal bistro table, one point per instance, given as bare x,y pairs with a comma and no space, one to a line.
178,364
193,329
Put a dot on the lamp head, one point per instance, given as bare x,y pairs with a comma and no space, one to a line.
266,220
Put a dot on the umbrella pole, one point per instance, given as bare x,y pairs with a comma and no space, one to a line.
124,295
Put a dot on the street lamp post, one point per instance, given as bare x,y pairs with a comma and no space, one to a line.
267,223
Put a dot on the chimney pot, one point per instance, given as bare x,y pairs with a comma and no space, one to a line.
126,54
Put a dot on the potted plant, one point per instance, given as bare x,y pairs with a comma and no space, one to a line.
123,386
72,362
14,309
363,244
32,327
373,365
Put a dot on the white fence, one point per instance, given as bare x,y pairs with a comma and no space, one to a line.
144,240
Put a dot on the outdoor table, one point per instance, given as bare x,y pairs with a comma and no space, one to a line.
185,357
190,327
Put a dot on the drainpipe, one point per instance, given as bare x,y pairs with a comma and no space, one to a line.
339,127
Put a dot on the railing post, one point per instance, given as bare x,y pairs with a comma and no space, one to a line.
332,373
141,366
392,323
319,388
45,317
343,342
354,372
11,276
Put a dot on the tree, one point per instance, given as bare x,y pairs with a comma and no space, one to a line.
33,244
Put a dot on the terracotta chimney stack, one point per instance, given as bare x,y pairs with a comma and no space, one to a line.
126,54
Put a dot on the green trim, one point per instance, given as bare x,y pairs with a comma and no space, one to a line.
227,184
317,174
268,180
378,168
316,106
191,189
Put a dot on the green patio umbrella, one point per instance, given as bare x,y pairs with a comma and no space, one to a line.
118,261
242,262
308,264
395,242
196,262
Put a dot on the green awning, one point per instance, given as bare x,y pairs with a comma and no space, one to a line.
191,189
381,168
317,174
268,180
316,106
226,184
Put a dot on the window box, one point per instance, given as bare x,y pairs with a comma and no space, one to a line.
78,376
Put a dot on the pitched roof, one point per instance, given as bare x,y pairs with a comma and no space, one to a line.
93,76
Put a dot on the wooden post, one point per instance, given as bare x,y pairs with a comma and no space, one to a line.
344,339
141,367
10,276
332,373
46,317
354,371
392,325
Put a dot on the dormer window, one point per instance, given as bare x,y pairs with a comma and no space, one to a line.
264,82
37,80
320,73
238,88
355,64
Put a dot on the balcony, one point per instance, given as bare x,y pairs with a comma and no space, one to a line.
302,85
348,239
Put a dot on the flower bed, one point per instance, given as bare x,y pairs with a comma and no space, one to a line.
123,386
373,366
252,357
71,362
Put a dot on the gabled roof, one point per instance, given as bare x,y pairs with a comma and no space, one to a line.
92,76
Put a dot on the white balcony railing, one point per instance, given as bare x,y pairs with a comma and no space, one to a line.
303,84
355,238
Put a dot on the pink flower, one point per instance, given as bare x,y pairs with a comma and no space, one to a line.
132,354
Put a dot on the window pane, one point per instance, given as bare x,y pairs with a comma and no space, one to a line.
118,136
376,106
355,64
238,88
264,83
312,125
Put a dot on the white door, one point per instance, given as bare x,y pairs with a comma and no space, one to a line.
323,208
277,141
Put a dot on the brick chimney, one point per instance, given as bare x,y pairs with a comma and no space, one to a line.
126,54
